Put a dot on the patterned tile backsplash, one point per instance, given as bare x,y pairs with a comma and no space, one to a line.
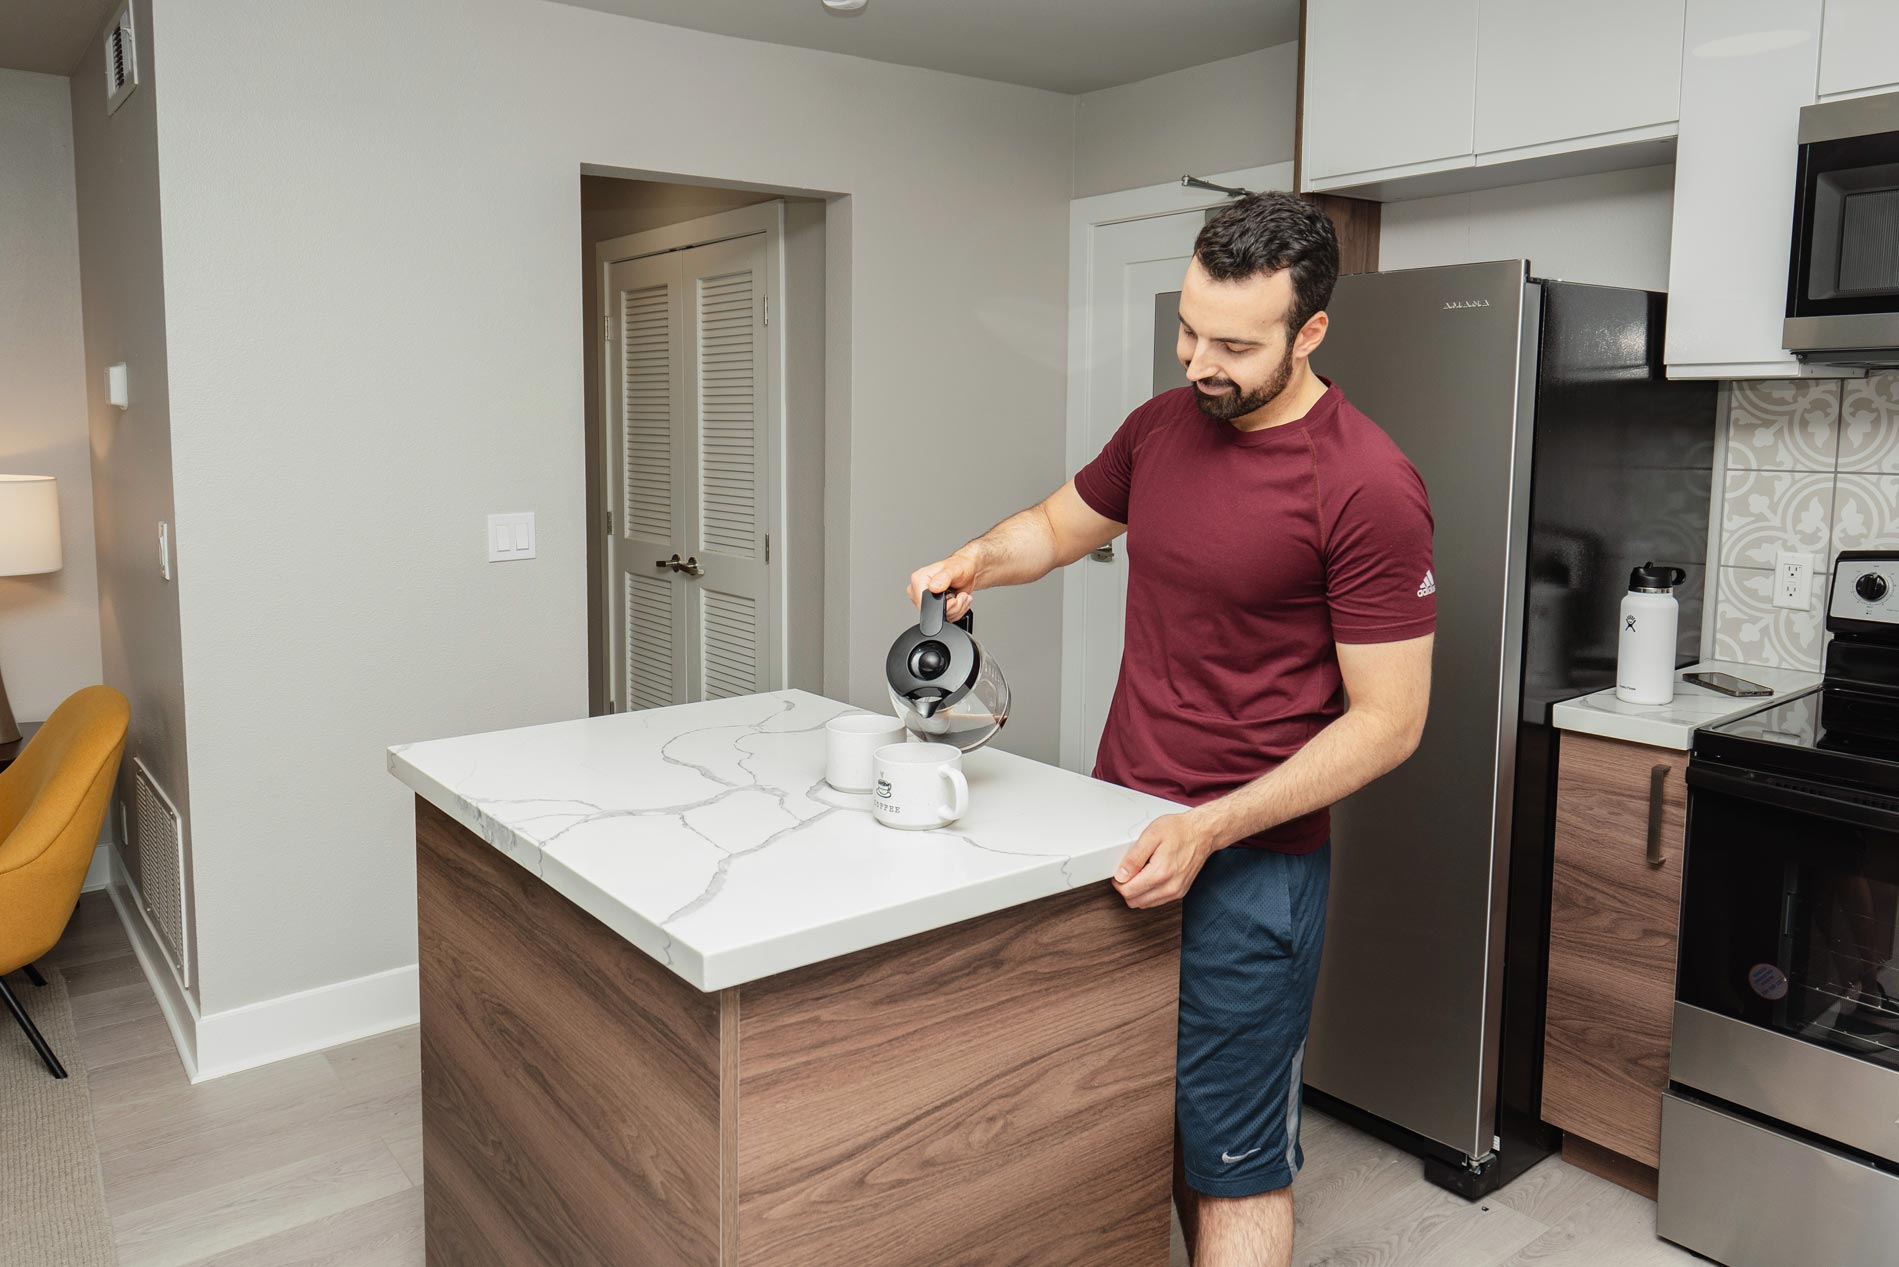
1812,466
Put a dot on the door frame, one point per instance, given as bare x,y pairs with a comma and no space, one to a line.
767,218
1085,217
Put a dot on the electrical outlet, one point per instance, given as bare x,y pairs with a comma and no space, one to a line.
1793,580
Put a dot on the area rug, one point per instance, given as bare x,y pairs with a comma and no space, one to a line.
52,1205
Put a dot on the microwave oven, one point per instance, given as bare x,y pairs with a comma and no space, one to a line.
1843,274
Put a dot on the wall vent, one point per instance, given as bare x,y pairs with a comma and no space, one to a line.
158,841
121,60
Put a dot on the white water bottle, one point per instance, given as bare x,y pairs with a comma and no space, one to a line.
1645,644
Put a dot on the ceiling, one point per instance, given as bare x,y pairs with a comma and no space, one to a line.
1063,45
49,36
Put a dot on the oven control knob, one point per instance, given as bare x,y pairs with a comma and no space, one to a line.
1871,586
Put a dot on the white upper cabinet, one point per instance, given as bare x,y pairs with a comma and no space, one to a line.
1551,73
1389,84
1859,47
1749,67
1409,98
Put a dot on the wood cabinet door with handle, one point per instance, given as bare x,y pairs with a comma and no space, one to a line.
1615,899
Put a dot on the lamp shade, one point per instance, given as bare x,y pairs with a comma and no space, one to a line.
29,524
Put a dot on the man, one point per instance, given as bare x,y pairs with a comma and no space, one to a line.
1279,566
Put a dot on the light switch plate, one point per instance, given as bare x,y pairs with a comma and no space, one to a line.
116,390
164,550
1793,580
511,537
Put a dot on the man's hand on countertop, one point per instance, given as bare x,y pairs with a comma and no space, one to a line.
1161,866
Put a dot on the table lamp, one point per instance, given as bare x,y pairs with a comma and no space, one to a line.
29,544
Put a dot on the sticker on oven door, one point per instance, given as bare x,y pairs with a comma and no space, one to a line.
1767,981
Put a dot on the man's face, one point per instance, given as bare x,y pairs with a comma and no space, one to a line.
1233,340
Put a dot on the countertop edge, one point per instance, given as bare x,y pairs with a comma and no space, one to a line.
1656,730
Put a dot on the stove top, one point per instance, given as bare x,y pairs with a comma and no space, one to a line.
1848,730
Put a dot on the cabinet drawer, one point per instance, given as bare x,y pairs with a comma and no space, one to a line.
1613,917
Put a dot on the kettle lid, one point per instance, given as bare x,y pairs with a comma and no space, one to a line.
933,663
1656,577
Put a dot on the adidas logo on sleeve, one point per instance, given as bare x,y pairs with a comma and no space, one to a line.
1429,587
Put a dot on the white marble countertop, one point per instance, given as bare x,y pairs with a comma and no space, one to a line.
706,835
1673,725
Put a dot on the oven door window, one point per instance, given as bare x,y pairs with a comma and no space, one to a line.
1788,921
1846,247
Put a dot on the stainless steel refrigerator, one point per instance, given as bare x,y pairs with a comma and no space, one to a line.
1557,457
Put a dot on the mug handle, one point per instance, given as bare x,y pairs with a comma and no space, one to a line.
959,787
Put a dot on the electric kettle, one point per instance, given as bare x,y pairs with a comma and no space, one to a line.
942,684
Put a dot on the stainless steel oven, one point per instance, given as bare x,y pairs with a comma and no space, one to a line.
1843,273
1780,1130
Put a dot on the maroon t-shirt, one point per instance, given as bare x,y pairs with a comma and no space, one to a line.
1250,553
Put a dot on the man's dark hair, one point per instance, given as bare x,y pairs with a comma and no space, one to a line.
1268,233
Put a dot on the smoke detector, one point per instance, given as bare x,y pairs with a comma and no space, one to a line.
845,6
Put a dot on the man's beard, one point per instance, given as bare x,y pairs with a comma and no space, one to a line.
1237,404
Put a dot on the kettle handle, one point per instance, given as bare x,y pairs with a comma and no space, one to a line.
930,613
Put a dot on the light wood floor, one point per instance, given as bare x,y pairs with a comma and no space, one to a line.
318,1160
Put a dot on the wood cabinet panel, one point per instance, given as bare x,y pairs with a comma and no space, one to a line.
1613,920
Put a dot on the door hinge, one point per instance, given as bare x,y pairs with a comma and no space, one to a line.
768,547
609,518
767,302
606,328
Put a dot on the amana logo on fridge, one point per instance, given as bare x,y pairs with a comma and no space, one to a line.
1465,303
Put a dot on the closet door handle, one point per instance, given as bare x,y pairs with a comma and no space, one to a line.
1657,779
691,566
672,563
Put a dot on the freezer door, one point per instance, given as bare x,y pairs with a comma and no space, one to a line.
1406,1021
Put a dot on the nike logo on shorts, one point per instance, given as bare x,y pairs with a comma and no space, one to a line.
1229,1158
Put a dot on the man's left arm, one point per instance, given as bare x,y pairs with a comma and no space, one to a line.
1388,689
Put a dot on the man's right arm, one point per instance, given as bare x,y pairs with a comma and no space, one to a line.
1022,548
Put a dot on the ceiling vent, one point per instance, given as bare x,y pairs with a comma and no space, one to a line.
121,60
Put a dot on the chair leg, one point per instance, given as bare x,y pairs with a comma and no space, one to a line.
33,975
32,1032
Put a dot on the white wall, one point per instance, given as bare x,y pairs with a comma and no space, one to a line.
369,296
123,288
1220,117
49,624
1610,229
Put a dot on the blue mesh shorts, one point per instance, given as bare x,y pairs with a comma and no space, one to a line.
1252,927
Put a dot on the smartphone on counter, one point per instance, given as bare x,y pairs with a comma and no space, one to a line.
1727,684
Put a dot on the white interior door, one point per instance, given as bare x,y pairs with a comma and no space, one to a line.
727,584
647,480
689,470
1131,263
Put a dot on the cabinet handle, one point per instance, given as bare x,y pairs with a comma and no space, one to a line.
1657,777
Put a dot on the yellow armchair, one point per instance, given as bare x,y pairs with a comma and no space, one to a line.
53,799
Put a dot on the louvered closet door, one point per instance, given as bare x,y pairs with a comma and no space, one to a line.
649,468
725,379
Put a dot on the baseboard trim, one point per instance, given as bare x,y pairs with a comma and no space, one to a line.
310,1020
181,1014
100,874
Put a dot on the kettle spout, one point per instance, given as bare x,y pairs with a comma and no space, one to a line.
926,706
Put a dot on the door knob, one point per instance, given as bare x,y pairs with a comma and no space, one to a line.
672,563
691,566
1102,554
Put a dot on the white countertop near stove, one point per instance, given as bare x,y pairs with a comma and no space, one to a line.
706,835
1673,725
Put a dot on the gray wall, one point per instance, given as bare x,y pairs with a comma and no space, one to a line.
49,624
1220,117
1609,229
371,321
123,291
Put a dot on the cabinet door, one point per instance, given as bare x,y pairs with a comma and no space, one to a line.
1388,84
1750,66
1859,46
1554,71
1613,916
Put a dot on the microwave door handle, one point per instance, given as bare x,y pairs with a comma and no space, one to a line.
1812,799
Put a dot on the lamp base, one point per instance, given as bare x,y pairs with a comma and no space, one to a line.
9,729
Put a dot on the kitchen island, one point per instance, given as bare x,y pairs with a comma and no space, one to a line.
683,1003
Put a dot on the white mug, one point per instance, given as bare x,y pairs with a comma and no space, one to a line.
850,746
920,786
